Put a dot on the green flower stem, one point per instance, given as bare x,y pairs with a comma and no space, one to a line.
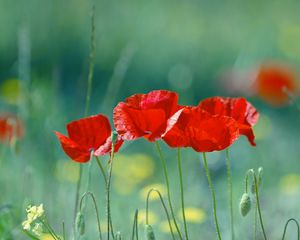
286,225
255,221
44,221
229,179
95,208
77,193
182,193
105,180
135,226
168,188
110,168
251,171
101,169
213,195
164,206
64,231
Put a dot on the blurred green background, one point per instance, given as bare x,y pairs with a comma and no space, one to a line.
193,47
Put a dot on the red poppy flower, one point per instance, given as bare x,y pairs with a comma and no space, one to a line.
10,127
274,83
196,128
237,108
85,135
145,115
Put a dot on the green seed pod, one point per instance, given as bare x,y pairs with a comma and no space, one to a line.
245,204
118,236
80,224
149,232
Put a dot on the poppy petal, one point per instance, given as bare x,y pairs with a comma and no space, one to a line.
72,149
145,115
237,108
194,127
90,132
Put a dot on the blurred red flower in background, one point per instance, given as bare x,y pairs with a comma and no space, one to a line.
10,127
88,134
145,115
237,108
196,128
275,82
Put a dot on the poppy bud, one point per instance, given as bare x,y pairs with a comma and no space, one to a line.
259,180
260,173
245,204
114,137
80,224
118,236
149,232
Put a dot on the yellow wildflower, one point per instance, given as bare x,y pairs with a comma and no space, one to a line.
33,212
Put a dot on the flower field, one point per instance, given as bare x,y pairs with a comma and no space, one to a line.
145,121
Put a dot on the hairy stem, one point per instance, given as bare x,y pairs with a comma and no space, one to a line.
168,188
95,208
229,179
212,195
286,225
182,193
164,206
135,226
109,220
251,171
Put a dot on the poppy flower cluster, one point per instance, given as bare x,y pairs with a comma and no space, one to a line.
213,125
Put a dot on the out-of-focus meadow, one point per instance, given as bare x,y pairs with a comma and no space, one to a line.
196,48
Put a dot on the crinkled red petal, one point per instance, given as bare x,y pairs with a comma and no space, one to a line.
237,108
72,149
145,115
193,127
90,132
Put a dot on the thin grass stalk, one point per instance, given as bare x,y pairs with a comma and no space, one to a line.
88,98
